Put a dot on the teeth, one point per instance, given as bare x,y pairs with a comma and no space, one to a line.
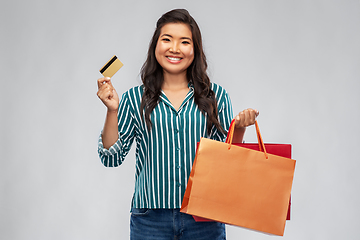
174,59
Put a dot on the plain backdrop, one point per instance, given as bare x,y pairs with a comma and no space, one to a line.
297,62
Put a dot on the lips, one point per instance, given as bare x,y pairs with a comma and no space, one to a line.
172,59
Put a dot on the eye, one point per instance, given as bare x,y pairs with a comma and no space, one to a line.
166,39
185,42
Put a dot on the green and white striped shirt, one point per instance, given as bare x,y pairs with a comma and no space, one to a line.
164,155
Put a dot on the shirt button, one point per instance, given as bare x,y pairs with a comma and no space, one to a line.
177,148
178,167
177,130
178,184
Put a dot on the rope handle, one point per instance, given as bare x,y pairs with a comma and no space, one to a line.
230,136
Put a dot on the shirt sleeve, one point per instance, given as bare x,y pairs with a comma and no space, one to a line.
115,155
225,113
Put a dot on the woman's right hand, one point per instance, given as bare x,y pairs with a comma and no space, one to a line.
107,94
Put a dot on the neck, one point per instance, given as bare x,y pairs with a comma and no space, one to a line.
174,81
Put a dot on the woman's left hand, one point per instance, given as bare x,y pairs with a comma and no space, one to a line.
246,118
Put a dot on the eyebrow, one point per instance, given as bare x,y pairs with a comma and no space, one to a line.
168,35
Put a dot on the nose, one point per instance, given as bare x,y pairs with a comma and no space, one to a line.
174,48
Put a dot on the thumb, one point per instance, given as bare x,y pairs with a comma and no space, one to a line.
238,119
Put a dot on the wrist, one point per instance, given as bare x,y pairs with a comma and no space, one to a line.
112,111
240,128
239,134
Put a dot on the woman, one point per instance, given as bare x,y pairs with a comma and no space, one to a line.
167,116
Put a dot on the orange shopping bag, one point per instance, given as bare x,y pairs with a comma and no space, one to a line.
240,186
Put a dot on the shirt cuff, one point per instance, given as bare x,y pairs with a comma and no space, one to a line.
115,148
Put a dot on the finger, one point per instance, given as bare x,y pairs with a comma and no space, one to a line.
247,117
103,80
256,112
105,88
103,95
111,94
251,119
247,120
239,119
100,82
105,91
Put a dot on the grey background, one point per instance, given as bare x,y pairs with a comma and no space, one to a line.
297,62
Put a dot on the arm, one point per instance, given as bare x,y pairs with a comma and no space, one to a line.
110,130
107,94
238,135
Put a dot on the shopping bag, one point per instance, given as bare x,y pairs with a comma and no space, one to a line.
240,186
283,150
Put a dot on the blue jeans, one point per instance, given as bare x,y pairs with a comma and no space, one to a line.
171,224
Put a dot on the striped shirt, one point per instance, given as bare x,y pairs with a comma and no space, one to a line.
164,155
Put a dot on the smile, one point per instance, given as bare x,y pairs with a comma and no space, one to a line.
174,58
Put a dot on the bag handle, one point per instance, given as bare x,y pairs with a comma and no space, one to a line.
230,136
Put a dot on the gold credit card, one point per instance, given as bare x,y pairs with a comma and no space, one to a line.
111,67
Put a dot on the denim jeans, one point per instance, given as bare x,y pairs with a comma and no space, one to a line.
171,224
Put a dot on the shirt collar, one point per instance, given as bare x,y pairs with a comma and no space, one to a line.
186,99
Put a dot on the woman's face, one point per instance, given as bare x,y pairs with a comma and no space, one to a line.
175,49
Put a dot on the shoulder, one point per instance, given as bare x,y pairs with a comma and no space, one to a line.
134,93
220,92
131,99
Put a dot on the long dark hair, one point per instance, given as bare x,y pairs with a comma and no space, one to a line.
152,73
